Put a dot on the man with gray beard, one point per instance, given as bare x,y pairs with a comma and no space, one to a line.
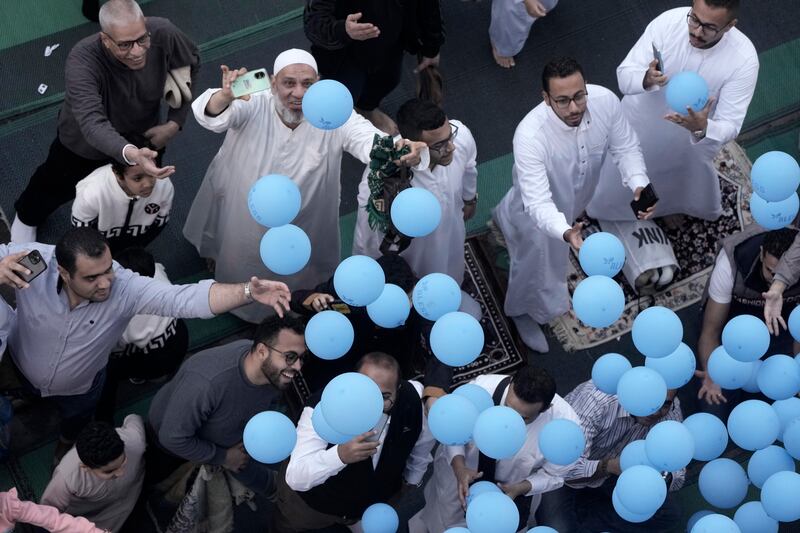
267,134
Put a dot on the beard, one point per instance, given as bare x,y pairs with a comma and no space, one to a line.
280,378
288,116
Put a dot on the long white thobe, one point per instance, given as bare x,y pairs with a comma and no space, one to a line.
443,250
442,508
555,173
258,143
511,24
680,167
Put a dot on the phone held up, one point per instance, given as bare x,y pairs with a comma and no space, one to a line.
658,58
252,82
646,200
33,262
378,429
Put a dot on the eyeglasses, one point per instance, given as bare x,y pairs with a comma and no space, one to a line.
290,356
127,46
562,102
444,145
709,30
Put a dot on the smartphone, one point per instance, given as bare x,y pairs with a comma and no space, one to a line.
250,83
340,307
378,429
647,199
657,57
33,262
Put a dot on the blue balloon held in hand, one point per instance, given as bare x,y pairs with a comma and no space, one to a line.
352,403
436,295
392,307
451,419
480,487
561,441
598,301
324,430
457,339
686,89
327,104
274,200
607,370
774,215
380,518
657,331
329,335
285,250
359,280
416,212
775,176
602,254
269,437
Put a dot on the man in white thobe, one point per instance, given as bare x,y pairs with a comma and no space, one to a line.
559,148
679,149
267,134
452,177
511,24
532,393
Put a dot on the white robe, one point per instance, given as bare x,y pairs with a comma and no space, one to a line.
680,167
442,508
511,24
257,143
555,173
443,250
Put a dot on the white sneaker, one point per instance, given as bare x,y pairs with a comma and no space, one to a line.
21,232
531,333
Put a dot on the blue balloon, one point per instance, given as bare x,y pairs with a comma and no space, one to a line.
392,307
633,454
285,250
775,176
380,518
481,487
561,441
607,370
779,496
324,430
745,338
499,432
269,437
641,489
641,391
436,295
774,215
657,332
602,254
327,104
794,323
723,483
492,512
479,396
767,461
457,339
352,403
715,523
695,518
752,518
726,371
416,212
686,89
451,419
457,530
542,529
709,434
779,377
787,410
753,425
791,438
751,385
627,514
329,335
274,200
677,368
669,445
359,280
598,301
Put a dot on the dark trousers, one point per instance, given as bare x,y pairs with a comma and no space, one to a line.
569,510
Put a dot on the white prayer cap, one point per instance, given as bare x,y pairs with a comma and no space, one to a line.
293,56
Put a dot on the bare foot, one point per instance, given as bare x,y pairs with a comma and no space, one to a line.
380,120
503,61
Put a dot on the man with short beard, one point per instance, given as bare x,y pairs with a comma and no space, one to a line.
267,134
200,415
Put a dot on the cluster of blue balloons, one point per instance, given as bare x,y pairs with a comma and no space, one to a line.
775,177
269,437
598,300
416,212
686,89
327,104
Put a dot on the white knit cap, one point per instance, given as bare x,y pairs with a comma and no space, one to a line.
293,56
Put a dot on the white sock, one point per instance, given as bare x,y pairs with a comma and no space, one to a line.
21,232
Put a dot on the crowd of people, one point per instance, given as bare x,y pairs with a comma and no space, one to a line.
96,307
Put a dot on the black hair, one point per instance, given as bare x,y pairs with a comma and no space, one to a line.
99,444
79,241
381,360
417,115
397,271
269,329
731,5
776,242
119,169
430,85
533,384
137,259
560,67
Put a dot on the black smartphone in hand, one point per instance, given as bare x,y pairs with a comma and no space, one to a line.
658,58
646,200
33,262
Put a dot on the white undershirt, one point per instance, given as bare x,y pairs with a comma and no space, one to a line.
720,286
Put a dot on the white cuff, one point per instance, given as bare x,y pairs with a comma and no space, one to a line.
638,180
123,153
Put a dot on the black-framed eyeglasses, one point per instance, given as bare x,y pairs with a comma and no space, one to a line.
709,30
562,102
442,146
291,356
127,46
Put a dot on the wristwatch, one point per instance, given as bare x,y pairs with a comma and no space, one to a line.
247,294
699,134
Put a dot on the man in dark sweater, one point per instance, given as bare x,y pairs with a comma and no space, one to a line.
114,85
200,415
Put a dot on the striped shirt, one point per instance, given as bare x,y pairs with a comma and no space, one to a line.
608,428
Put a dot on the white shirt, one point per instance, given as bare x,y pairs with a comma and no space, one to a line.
312,462
720,285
